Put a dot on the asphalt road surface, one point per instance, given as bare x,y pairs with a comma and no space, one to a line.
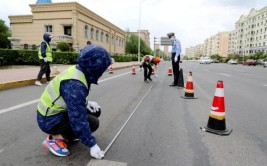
164,129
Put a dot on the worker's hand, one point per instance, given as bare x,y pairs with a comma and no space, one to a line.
93,107
96,152
45,59
175,59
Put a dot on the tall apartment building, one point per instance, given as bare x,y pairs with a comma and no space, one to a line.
251,31
232,42
67,21
144,35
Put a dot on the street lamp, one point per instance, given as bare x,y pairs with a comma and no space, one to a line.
139,30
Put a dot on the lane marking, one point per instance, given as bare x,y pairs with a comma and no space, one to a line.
265,85
1,150
225,74
37,100
205,69
18,106
118,133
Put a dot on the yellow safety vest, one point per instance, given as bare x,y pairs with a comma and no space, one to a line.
48,53
51,102
149,62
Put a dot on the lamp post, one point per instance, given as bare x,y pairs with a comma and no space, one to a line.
139,30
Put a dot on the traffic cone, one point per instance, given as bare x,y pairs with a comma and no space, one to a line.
180,83
170,71
110,70
216,123
189,89
133,70
153,71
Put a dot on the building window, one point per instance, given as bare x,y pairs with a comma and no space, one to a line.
107,38
92,33
102,37
112,40
48,28
26,46
67,30
97,35
86,31
263,43
117,41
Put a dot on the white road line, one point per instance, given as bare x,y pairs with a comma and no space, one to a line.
37,100
225,74
264,85
18,106
1,150
118,133
205,69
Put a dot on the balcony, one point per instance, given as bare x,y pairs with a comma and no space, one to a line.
62,38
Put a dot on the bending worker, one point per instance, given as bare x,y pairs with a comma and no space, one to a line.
63,111
147,62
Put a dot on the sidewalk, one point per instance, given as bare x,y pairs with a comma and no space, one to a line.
26,75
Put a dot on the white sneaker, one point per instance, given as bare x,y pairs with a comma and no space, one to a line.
38,83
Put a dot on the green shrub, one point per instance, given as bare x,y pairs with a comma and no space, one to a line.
65,57
63,46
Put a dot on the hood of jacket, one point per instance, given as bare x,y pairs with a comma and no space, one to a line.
93,61
46,37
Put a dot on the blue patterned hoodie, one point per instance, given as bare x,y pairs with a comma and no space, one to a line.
92,61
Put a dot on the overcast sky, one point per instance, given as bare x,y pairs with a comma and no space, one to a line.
192,20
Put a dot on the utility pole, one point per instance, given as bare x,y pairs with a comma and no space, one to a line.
155,46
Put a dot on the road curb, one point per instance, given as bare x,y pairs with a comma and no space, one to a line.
28,82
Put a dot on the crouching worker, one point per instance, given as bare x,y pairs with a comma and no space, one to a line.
147,62
63,111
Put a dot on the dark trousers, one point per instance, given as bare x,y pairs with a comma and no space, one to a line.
147,71
175,69
64,127
44,69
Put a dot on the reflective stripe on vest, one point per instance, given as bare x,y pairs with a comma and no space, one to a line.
48,53
51,102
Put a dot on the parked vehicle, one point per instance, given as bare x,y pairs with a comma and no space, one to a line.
232,61
205,60
250,62
215,61
265,64
259,61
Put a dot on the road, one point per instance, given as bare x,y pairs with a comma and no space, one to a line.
164,129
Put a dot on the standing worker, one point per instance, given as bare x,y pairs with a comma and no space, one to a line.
147,62
176,51
45,57
64,112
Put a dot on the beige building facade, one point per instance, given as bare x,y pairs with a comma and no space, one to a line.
144,35
251,32
69,22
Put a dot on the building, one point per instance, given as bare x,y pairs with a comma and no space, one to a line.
69,22
251,31
232,42
144,35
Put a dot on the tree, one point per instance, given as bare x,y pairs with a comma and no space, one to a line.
131,46
62,46
4,34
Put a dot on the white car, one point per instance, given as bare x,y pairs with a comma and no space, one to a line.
205,60
265,64
232,61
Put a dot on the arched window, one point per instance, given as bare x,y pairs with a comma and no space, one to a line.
97,35
117,41
107,38
102,37
92,33
112,40
86,31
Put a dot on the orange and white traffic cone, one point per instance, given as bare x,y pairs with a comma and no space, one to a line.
216,123
153,71
189,89
110,70
133,70
170,71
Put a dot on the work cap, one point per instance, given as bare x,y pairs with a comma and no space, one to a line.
170,34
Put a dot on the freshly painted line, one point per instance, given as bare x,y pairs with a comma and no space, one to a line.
225,74
37,100
18,106
118,133
1,150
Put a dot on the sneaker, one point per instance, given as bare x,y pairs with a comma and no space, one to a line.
38,83
56,146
